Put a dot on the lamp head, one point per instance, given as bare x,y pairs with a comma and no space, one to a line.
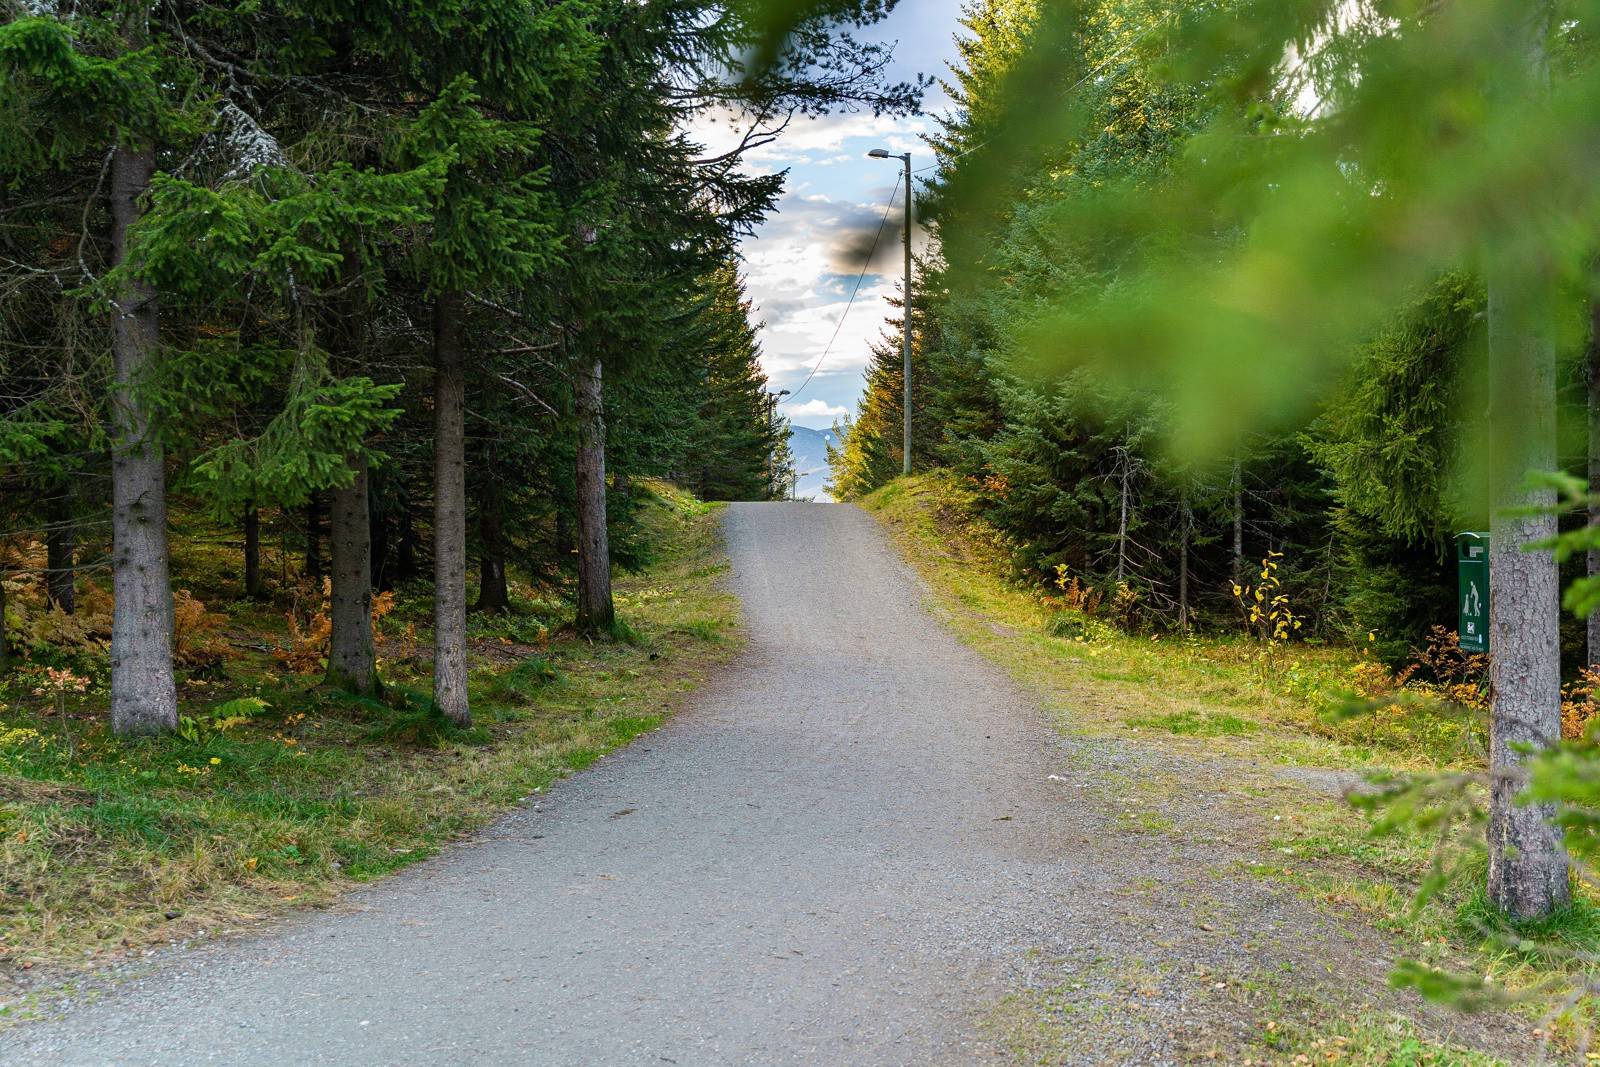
878,153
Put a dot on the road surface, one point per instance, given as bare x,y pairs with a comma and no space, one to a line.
846,850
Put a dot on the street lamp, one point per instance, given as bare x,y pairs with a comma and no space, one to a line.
883,153
772,429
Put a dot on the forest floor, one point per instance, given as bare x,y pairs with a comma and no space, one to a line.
1208,742
284,794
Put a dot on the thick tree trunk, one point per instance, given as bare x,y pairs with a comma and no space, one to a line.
493,595
596,612
1527,865
1528,877
352,657
144,696
252,551
449,513
1594,461
60,550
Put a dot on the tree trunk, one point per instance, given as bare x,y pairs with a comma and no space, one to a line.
493,595
566,544
60,550
144,698
313,568
1594,461
405,545
1183,559
622,483
1528,876
1125,474
352,657
1238,518
596,612
252,551
449,513
378,540
5,645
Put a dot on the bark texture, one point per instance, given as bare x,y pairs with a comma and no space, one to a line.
1527,863
144,697
449,513
60,549
596,612
352,657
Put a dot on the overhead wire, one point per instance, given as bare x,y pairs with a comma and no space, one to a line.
893,196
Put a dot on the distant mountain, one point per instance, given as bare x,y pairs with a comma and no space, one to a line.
810,449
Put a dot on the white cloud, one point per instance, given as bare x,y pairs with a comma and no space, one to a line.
815,409
802,263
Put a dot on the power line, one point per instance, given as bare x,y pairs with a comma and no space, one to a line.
893,196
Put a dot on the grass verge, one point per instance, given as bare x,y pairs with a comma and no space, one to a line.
285,795
1254,728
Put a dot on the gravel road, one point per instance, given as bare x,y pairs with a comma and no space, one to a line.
847,850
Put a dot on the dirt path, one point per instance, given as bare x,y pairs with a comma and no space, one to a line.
848,851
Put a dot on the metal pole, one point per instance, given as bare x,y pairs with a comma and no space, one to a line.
906,403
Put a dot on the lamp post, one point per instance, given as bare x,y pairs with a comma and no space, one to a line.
772,430
882,153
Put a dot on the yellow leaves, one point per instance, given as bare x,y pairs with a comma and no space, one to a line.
196,632
250,864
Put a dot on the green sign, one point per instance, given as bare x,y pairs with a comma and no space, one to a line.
1472,600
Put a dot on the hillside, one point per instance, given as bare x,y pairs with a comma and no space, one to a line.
811,461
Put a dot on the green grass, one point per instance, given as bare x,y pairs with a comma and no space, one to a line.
1195,723
111,845
1216,698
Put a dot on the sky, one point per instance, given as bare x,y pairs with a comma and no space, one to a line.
802,264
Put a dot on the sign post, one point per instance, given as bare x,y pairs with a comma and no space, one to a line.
1472,584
